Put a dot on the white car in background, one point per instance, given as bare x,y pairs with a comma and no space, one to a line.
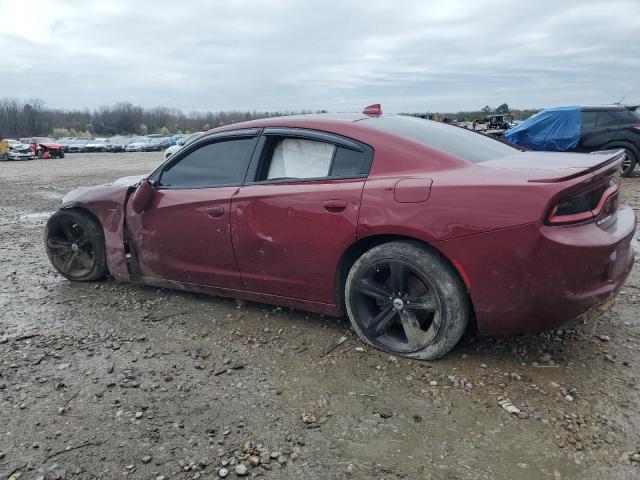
181,143
138,144
19,150
96,145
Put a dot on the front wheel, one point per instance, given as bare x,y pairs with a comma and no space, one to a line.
75,246
406,300
628,163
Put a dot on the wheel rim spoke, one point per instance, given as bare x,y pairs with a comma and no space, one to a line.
398,277
67,228
69,261
85,259
372,289
378,324
83,241
415,335
425,302
58,244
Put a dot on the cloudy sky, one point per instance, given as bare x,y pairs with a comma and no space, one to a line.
331,54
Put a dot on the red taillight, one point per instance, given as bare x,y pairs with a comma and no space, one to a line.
585,206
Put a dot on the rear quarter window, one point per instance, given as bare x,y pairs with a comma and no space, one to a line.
457,141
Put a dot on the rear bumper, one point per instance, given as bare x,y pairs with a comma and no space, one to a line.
537,277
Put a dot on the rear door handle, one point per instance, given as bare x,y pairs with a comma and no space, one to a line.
215,212
334,206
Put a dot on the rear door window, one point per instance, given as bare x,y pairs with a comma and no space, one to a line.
286,158
607,119
589,119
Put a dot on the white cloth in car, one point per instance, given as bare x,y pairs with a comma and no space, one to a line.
298,158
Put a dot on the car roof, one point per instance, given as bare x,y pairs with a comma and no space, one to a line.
614,106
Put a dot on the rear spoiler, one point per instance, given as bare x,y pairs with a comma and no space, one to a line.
611,160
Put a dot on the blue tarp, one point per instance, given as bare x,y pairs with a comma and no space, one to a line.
554,129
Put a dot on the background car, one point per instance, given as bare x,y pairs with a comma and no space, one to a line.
583,129
79,145
156,144
137,145
411,227
19,150
96,145
116,144
180,143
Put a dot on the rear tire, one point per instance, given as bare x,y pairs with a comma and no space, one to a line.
75,246
629,163
407,300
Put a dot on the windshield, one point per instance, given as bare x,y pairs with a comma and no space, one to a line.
459,142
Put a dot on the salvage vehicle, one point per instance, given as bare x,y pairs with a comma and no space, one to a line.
155,144
96,145
583,129
41,144
48,150
116,144
137,145
20,151
79,145
416,229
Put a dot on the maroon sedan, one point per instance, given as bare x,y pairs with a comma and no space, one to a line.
411,227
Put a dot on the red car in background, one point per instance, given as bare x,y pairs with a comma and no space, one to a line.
44,147
412,227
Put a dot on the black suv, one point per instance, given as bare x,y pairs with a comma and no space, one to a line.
608,127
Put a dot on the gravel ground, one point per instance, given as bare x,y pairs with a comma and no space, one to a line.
109,380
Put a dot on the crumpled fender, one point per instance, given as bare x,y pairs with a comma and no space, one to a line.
106,203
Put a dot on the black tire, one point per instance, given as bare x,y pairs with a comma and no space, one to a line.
629,163
61,154
75,246
407,300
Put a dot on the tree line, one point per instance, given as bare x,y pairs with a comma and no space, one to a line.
32,118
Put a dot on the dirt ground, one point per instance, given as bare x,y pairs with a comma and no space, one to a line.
109,380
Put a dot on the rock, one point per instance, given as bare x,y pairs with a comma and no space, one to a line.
483,365
146,459
241,470
569,398
604,338
167,377
508,406
223,472
609,358
308,418
544,358
254,460
64,366
111,367
4,339
138,414
384,412
634,458
433,383
160,477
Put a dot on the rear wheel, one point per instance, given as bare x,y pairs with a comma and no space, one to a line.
406,300
628,162
75,246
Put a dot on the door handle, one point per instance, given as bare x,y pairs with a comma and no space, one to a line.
215,212
334,206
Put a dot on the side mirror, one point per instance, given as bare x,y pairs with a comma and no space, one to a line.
142,196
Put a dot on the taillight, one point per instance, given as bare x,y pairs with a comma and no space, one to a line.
585,206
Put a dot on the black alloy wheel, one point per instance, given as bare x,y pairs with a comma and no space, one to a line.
75,245
407,299
397,305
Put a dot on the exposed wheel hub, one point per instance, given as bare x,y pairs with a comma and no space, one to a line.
398,304
74,247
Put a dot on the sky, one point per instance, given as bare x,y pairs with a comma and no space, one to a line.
338,55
